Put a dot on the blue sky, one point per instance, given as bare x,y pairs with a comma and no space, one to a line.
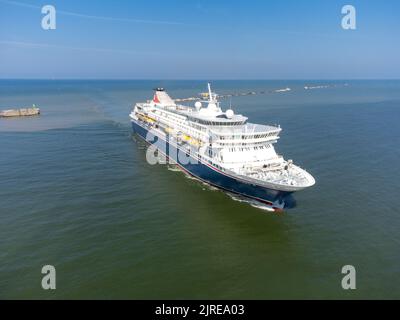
200,39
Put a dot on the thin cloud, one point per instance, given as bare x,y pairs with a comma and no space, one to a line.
87,16
47,45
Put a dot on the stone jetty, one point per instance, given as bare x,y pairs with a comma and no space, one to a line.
34,111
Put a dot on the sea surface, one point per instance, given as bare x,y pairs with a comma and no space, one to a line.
76,192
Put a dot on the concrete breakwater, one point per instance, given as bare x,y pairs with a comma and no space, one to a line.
204,95
20,112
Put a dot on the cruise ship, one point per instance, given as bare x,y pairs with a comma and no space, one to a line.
219,147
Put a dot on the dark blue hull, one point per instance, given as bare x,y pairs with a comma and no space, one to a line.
212,175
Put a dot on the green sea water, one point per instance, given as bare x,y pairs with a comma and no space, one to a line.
76,192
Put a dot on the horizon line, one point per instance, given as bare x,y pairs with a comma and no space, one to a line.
198,79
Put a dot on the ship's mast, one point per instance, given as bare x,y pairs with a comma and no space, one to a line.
209,93
212,97
213,103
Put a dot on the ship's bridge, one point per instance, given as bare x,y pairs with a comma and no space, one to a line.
247,133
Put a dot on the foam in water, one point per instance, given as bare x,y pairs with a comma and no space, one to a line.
253,203
173,167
